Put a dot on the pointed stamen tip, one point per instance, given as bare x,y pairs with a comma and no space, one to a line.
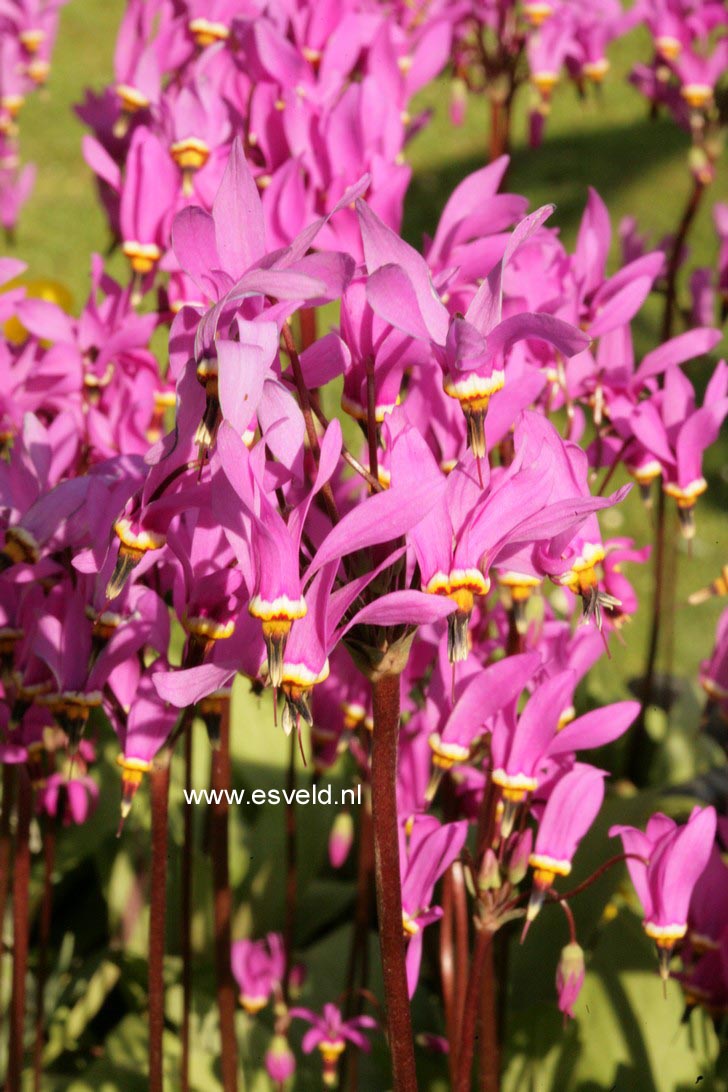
124,810
433,785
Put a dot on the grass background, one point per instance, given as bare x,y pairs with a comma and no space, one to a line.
96,992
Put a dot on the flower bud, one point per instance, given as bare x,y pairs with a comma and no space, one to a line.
570,977
489,878
341,839
520,851
280,1062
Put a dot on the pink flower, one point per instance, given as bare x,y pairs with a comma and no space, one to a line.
258,967
675,858
330,1033
570,974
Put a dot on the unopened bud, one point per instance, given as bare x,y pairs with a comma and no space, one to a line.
570,977
520,850
341,839
489,877
280,1062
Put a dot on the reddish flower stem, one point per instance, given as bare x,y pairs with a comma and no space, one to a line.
21,884
613,466
447,971
385,695
489,1053
617,859
499,129
673,265
663,603
5,848
359,952
307,316
289,924
569,920
462,943
186,923
159,792
49,857
483,944
221,777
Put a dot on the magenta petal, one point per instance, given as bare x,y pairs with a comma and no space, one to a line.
413,960
486,307
332,270
563,336
238,215
10,268
382,247
621,307
637,843
183,688
676,351
277,283
392,296
382,518
592,243
403,607
699,432
536,727
570,810
193,241
596,728
683,864
486,693
242,370
325,360
46,320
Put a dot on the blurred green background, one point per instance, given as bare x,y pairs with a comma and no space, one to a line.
626,1036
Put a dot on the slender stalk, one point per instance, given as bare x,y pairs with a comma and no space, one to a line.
359,952
498,129
613,466
617,859
676,253
447,971
307,317
291,870
346,455
5,847
221,777
186,924
672,559
159,791
569,920
385,694
21,884
49,856
483,943
639,743
462,943
489,1054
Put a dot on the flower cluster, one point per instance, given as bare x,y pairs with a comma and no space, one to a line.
169,528
27,33
502,46
318,97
